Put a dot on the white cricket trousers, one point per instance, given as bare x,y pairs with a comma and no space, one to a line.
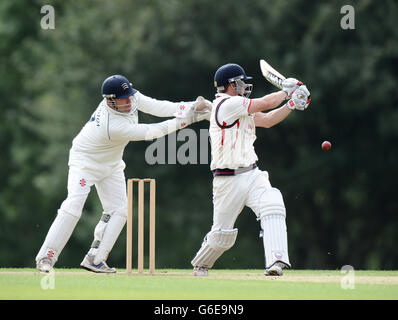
111,189
252,189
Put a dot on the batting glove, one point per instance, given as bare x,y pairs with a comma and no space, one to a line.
289,85
300,99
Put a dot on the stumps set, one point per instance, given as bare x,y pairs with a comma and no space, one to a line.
152,216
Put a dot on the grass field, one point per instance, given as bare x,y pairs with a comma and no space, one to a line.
171,284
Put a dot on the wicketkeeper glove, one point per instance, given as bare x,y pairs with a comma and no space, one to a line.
202,105
186,114
202,108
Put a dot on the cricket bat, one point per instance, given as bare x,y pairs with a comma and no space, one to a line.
271,74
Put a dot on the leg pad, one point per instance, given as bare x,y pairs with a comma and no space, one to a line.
214,245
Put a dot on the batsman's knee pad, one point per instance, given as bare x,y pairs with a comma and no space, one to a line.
272,203
214,245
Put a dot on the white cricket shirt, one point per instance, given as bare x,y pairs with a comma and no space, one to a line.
232,133
102,140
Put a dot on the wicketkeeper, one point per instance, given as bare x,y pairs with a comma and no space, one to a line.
238,182
96,159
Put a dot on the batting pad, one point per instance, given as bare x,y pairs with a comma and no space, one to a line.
275,239
214,245
271,203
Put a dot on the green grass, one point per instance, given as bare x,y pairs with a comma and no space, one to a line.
172,284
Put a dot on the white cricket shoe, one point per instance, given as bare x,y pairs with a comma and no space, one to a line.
275,269
200,272
44,265
102,267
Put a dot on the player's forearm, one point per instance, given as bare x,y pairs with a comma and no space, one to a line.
154,130
159,108
270,101
271,118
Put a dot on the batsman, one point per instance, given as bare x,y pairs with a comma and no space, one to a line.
238,182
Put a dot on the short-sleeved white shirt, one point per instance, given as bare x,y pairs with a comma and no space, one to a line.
232,132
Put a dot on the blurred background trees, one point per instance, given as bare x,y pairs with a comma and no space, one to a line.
341,204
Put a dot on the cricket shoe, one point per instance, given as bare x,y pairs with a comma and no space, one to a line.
44,265
200,272
102,267
276,269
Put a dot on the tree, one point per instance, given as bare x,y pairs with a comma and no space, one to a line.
340,204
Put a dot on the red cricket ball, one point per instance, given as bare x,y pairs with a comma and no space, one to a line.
326,145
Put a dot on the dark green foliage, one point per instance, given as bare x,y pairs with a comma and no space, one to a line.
341,204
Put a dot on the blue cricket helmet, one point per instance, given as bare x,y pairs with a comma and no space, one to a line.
117,87
228,73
